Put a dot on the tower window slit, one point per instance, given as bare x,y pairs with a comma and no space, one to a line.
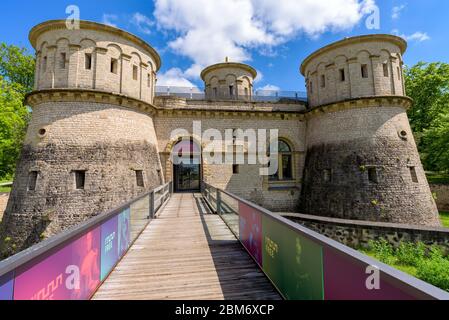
32,180
80,179
139,178
364,70
372,175
342,75
114,66
135,72
414,174
63,60
88,61
386,72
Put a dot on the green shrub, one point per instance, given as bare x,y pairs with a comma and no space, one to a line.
410,253
434,271
383,251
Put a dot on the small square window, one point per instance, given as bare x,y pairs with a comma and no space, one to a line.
342,75
80,179
364,70
372,175
386,72
135,72
414,175
235,169
32,180
114,66
63,60
88,61
139,178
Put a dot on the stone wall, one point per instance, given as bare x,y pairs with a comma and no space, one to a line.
357,234
442,193
107,142
247,183
362,163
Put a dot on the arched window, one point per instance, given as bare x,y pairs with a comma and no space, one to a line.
285,162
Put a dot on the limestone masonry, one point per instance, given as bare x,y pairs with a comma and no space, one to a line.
99,135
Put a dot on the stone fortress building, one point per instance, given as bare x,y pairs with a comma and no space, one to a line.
99,136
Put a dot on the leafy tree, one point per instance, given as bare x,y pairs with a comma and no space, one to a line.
428,85
16,66
13,122
16,80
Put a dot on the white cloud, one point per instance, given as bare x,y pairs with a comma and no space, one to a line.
269,87
142,22
417,36
174,78
208,31
110,19
396,12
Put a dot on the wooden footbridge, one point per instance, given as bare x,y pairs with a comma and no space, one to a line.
210,245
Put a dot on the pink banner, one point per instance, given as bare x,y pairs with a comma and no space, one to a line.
72,273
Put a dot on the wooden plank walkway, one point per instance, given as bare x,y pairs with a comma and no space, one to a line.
187,254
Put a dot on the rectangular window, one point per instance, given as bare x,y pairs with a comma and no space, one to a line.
44,64
287,173
327,175
231,91
386,72
235,169
364,71
323,81
139,178
32,180
414,174
372,175
149,81
114,66
135,72
342,75
63,60
80,179
88,61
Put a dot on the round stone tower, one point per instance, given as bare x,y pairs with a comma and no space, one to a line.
229,81
362,161
91,143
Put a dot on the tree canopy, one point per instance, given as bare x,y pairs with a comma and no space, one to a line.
16,79
428,85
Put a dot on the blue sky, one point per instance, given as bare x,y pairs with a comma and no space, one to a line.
274,36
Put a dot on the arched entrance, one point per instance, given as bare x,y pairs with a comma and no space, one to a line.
186,158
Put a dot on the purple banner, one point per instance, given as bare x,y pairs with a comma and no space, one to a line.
251,231
124,240
72,273
7,286
346,279
109,246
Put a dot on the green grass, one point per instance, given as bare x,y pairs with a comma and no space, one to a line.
444,216
5,189
428,263
438,178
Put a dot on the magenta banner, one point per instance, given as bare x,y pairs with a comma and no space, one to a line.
72,273
348,279
7,286
251,231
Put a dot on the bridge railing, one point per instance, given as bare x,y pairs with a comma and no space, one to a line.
304,265
73,264
195,93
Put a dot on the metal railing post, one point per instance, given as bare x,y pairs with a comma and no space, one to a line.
218,202
151,216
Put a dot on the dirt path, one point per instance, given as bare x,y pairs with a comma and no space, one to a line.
3,201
